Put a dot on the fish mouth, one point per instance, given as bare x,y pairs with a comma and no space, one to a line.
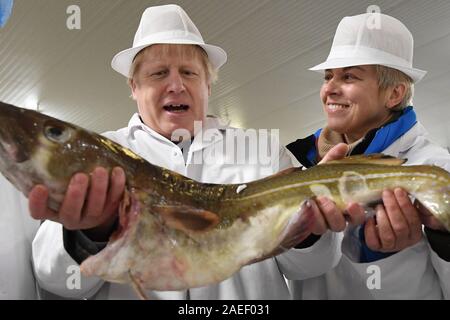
15,135
176,108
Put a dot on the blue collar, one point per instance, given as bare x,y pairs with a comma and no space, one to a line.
384,136
388,134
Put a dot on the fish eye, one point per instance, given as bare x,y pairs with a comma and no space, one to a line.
57,134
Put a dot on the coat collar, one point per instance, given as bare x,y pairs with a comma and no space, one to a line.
212,132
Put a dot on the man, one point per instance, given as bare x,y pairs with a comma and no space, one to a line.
170,71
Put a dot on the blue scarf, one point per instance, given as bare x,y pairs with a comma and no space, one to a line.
388,134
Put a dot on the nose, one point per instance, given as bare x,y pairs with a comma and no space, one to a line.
330,88
175,82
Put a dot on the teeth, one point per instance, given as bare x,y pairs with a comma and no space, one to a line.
334,107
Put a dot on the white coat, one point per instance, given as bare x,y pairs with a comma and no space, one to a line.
17,230
416,272
261,280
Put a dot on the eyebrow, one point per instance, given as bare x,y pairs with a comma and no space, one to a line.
353,67
348,68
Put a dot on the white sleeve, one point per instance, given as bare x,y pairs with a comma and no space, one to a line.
56,272
285,161
407,274
17,230
442,269
322,256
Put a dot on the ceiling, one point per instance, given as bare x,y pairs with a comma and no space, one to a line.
265,83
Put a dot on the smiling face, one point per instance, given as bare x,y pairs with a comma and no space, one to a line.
171,87
353,101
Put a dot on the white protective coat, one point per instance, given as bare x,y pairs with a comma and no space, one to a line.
17,230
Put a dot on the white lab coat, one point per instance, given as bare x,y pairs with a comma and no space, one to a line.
261,280
416,272
17,230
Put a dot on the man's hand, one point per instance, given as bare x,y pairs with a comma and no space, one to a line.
89,203
397,223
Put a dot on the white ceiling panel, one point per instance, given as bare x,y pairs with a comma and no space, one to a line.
265,84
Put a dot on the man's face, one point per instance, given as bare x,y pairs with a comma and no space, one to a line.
171,89
352,101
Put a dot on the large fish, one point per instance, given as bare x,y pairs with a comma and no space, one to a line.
175,233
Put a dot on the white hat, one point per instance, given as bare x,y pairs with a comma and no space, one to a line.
372,38
165,24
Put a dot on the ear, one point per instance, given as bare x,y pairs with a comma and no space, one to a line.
133,87
395,95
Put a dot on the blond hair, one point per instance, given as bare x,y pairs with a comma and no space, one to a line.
389,77
185,51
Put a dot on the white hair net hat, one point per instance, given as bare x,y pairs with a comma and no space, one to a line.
372,39
167,24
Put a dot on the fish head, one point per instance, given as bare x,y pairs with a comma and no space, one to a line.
38,149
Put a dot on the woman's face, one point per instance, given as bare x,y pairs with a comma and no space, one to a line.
353,101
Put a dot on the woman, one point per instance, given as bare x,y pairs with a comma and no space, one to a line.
366,94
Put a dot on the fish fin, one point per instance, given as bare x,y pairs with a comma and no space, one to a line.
137,287
286,172
375,158
187,219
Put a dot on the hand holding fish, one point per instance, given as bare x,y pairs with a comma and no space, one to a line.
328,216
396,225
91,202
